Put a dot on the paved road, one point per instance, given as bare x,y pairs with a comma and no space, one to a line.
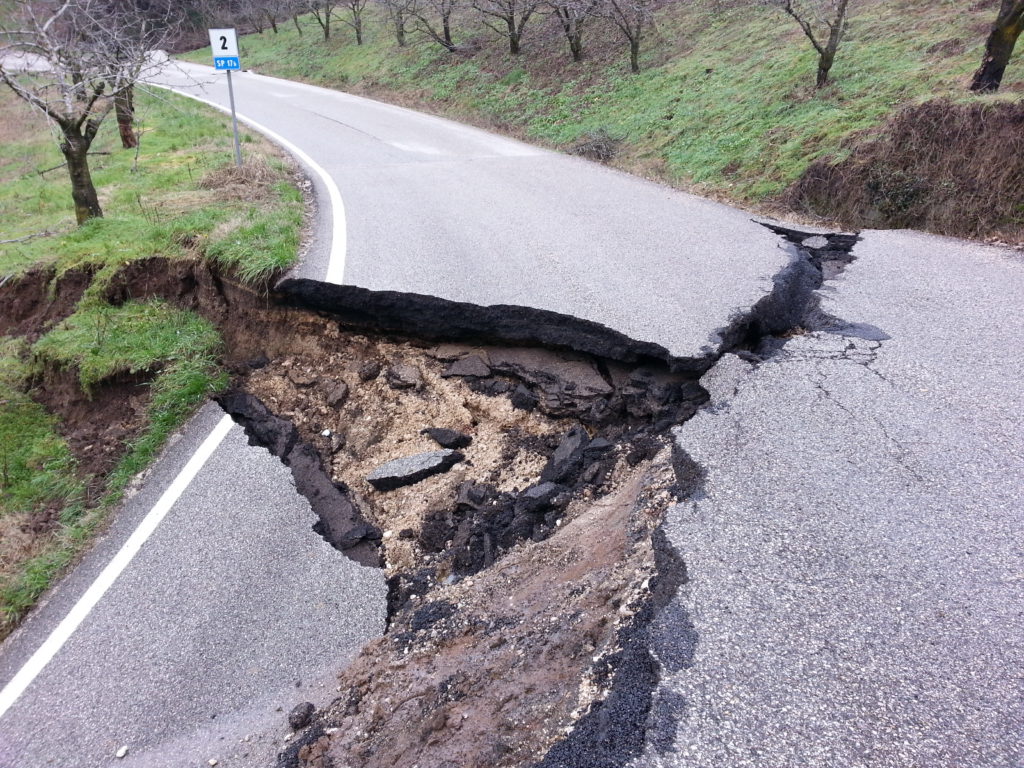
440,208
854,578
232,599
856,560
231,609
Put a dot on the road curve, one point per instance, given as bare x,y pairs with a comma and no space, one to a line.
441,208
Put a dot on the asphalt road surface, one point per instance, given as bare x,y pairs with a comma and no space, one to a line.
855,578
856,557
440,208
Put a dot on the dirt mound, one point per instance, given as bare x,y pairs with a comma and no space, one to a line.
955,169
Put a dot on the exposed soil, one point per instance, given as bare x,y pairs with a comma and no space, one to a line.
955,169
99,424
524,573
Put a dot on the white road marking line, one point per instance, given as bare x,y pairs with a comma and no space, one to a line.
13,690
339,226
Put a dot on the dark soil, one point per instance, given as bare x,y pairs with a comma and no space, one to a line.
955,169
98,425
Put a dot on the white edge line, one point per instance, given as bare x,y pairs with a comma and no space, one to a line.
13,690
339,227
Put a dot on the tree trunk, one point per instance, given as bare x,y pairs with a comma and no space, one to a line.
576,46
359,32
400,30
447,25
824,65
298,28
999,49
75,148
273,22
124,108
634,55
513,37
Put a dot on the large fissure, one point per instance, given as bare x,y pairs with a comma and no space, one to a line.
510,470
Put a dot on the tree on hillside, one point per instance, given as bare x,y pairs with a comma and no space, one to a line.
823,23
355,17
572,15
322,10
86,55
632,17
999,47
435,20
399,13
508,18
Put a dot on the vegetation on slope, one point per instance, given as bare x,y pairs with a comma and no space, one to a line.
725,103
179,197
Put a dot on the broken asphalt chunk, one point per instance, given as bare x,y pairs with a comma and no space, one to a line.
567,459
412,469
471,365
447,438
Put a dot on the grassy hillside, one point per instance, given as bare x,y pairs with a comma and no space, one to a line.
724,104
88,398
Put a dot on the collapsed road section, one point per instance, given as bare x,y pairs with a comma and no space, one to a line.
509,469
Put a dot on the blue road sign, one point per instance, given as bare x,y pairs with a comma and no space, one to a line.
226,62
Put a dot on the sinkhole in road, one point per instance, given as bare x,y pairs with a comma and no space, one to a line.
520,531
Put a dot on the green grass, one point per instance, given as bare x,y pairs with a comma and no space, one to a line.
154,205
180,197
725,101
36,466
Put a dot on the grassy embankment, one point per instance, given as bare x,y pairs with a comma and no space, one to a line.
724,104
179,198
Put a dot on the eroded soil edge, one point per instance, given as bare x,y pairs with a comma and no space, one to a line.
523,577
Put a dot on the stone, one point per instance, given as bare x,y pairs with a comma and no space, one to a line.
368,371
815,241
337,394
535,498
567,459
447,438
404,376
524,399
471,365
412,469
301,378
300,716
121,752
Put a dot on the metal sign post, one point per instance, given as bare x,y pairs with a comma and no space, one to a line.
224,45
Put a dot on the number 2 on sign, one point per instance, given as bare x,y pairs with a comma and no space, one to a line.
223,43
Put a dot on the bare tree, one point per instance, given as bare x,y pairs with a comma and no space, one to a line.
400,12
824,24
322,11
632,17
435,20
508,18
572,15
999,48
87,54
355,17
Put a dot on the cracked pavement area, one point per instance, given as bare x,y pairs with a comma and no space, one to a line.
855,556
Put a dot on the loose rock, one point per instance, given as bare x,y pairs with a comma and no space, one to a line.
121,752
412,469
300,716
300,378
337,394
447,438
470,365
369,370
404,376
567,459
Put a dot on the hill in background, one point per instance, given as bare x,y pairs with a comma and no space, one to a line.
725,104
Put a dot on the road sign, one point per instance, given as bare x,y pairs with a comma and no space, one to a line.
224,44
